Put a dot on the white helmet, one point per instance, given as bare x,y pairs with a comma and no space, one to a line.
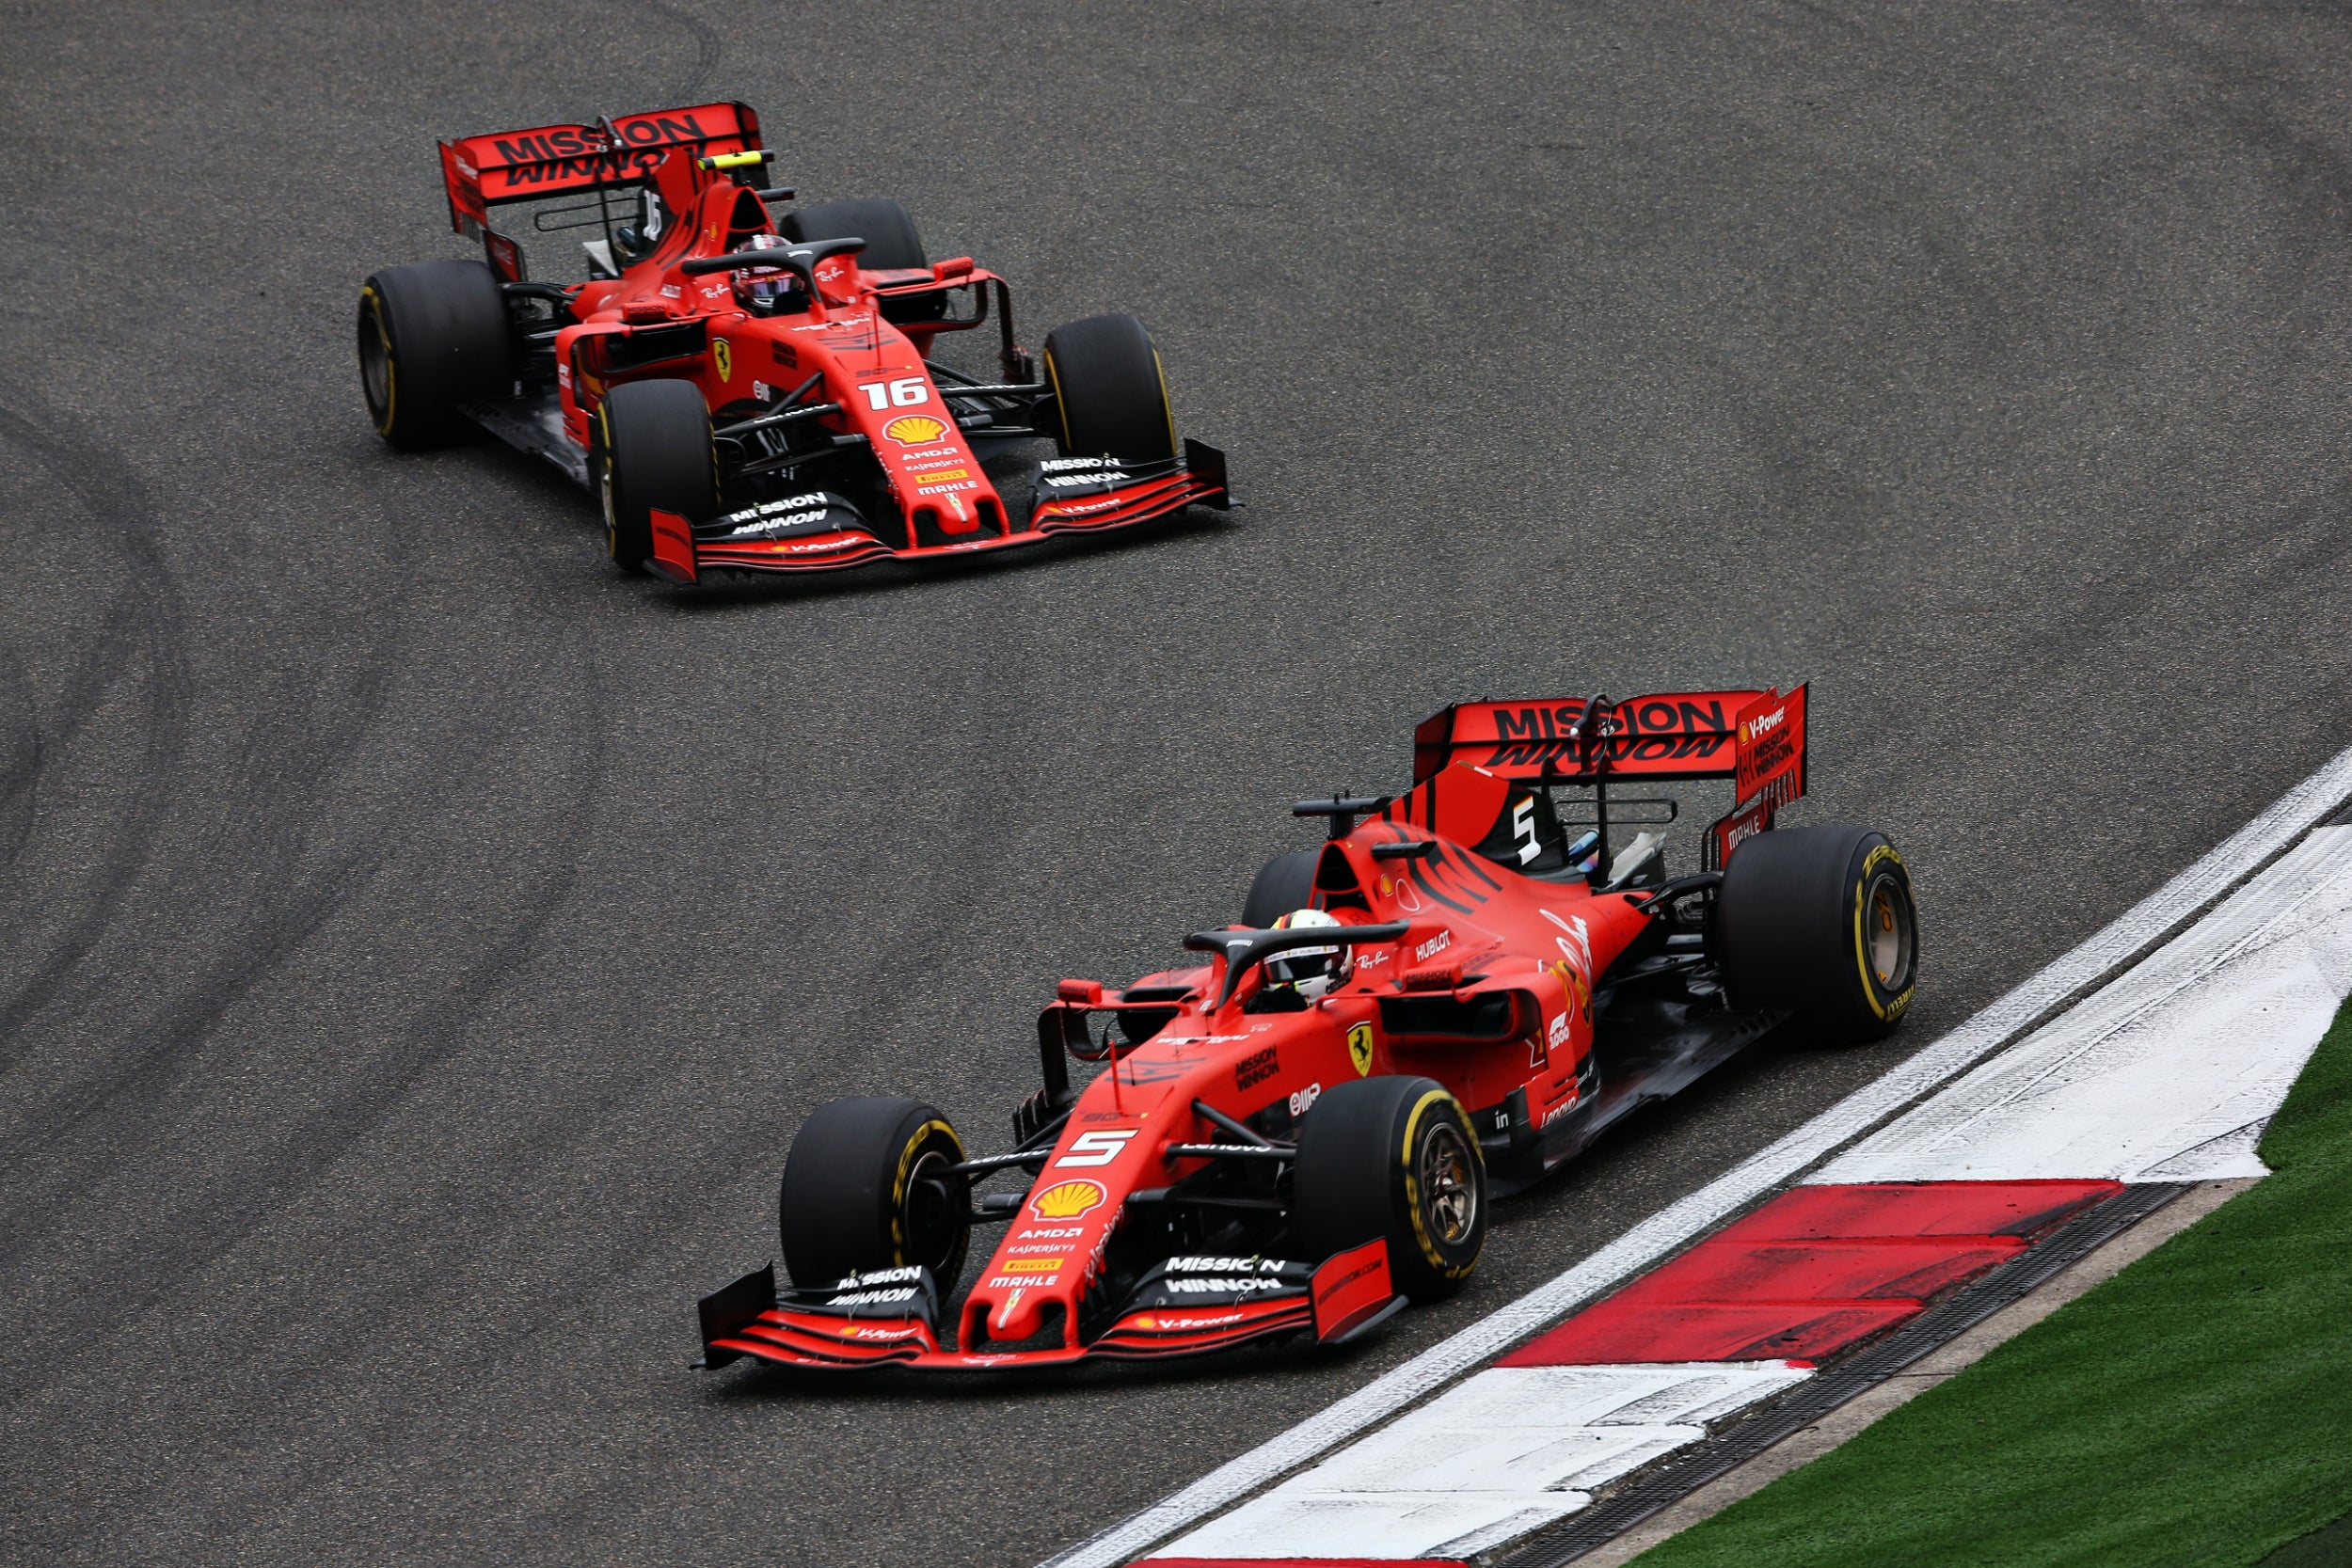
1312,972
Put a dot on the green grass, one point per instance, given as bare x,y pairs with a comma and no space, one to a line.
2195,1409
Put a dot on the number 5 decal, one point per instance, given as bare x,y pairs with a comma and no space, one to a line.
1095,1148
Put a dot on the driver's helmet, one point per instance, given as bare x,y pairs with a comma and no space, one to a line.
761,289
1312,972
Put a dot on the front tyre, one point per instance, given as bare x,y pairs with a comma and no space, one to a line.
891,244
1287,882
1110,391
867,1185
886,226
651,452
1819,920
1393,1159
432,338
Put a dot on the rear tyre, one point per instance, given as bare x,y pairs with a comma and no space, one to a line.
1819,920
1110,390
865,1186
651,451
1393,1157
886,226
1286,883
432,338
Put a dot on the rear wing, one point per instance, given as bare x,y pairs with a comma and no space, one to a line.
1754,738
482,172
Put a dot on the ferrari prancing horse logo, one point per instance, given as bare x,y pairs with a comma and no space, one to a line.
723,359
1360,1048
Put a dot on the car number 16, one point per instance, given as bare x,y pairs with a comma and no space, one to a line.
908,391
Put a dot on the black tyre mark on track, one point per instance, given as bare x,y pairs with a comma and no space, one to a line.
707,48
147,630
132,1105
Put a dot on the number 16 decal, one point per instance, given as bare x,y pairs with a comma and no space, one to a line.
908,391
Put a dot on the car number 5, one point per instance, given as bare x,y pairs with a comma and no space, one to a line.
1095,1148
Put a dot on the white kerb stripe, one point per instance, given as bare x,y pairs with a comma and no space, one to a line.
1503,1453
2228,864
2169,1073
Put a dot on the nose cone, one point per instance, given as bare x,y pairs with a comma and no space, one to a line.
1021,1314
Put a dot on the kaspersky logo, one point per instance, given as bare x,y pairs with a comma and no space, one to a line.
915,430
1067,1200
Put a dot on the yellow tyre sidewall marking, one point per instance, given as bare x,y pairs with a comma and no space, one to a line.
1887,1011
906,1170
1167,409
606,483
392,370
1430,1252
1052,374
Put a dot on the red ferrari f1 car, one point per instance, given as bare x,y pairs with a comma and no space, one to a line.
1302,1132
754,395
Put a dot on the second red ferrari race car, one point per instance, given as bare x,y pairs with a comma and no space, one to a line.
750,394
1302,1132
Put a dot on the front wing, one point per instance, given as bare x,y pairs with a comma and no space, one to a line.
683,550
1346,1296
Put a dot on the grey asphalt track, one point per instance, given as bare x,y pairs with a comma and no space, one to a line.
420,941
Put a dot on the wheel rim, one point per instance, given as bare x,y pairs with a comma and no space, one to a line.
1449,1186
1887,938
933,1210
375,366
1062,409
612,510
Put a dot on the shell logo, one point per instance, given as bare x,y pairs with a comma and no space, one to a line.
915,430
1067,1200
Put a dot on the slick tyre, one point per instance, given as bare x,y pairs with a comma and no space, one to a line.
432,338
1286,883
1110,395
867,1186
1819,920
651,452
1392,1158
886,226
888,229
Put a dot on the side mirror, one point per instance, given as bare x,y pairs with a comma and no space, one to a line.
1086,993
